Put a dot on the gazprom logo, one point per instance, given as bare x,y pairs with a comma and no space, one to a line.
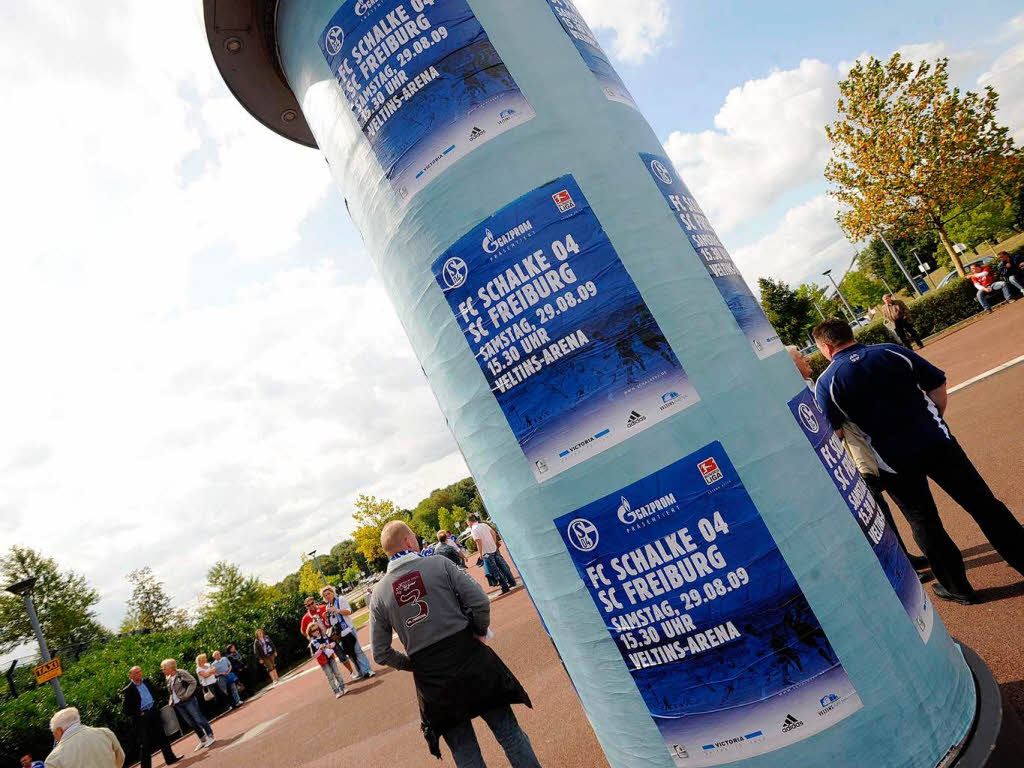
492,244
627,515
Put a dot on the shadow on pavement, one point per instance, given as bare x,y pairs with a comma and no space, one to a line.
979,549
977,562
363,688
1014,693
991,594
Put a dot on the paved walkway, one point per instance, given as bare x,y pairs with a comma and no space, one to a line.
299,724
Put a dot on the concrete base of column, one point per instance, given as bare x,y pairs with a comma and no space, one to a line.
996,739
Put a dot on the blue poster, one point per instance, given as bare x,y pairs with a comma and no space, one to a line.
717,634
590,49
851,486
424,83
730,283
564,338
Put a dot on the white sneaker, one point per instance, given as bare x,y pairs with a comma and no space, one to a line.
199,746
209,741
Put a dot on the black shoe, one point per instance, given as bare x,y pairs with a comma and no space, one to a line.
172,762
925,576
919,562
964,598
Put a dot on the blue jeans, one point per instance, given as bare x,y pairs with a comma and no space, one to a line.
500,570
227,687
193,717
461,740
359,657
996,286
333,674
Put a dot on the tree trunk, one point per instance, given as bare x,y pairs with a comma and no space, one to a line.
949,249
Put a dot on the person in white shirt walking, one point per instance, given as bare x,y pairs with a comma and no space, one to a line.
487,543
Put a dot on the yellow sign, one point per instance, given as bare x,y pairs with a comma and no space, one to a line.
48,671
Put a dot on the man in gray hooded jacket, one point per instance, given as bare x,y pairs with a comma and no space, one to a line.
441,615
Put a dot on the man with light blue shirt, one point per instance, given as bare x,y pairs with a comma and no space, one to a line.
227,681
138,702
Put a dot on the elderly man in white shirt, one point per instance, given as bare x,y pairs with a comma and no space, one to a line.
81,746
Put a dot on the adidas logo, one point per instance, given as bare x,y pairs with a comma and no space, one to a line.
791,724
634,419
476,133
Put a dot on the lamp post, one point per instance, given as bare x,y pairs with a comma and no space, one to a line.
316,564
899,264
828,273
23,589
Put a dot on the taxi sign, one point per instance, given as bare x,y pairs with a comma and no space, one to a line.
48,671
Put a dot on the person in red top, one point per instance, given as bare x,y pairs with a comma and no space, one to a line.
318,613
983,280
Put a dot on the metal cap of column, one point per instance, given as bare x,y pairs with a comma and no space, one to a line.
243,40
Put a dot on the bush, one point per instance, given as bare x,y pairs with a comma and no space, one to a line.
933,312
93,682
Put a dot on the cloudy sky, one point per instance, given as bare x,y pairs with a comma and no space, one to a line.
198,361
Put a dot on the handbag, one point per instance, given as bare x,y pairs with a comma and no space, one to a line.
208,694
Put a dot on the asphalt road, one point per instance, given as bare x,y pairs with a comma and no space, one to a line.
299,724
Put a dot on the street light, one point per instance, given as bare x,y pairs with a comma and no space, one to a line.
316,564
23,589
828,273
900,264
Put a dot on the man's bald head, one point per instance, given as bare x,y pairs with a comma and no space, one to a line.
397,536
135,673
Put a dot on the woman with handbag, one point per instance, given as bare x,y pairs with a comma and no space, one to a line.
266,654
207,677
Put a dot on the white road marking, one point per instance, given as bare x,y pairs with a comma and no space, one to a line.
987,374
255,731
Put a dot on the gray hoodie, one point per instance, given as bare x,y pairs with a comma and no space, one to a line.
423,600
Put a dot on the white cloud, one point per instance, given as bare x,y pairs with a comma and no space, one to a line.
769,137
806,241
1006,75
132,415
639,25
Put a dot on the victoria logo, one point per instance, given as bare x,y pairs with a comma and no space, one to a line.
454,272
492,244
658,169
363,6
808,419
334,40
582,534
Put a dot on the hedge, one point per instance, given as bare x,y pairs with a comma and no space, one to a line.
93,682
933,312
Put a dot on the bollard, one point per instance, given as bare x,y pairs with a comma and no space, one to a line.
718,583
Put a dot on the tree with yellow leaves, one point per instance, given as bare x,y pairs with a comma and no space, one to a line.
908,149
370,516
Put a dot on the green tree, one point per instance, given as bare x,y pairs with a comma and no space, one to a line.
353,575
907,149
64,601
346,554
861,291
453,520
986,222
227,586
789,312
310,582
149,606
289,585
370,516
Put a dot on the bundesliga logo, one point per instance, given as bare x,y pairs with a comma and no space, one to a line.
563,200
709,471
